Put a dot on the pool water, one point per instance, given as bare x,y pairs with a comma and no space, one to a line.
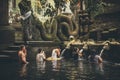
59,70
62,69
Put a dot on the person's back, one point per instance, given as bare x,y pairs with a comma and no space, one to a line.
94,58
21,56
55,52
98,59
40,56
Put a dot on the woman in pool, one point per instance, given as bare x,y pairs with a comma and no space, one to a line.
55,53
40,56
94,58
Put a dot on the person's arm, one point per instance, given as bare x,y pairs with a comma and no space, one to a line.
100,60
25,52
44,56
37,57
23,58
58,52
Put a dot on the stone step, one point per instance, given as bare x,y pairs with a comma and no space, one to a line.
43,43
10,54
15,48
5,58
19,43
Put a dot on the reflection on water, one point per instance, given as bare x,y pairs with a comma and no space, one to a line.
55,65
23,70
97,68
59,70
41,66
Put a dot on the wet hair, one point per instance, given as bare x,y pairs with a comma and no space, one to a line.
57,47
75,48
39,50
22,47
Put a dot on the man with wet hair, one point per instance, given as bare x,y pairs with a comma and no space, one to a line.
22,54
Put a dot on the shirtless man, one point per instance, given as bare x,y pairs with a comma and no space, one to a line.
22,53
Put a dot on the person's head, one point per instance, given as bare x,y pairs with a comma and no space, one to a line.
39,50
71,37
58,48
22,47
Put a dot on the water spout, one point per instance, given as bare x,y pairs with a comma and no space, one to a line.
105,47
101,52
63,51
80,54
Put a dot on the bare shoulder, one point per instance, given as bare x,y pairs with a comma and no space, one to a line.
19,52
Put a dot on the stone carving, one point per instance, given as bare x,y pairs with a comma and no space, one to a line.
66,27
60,28
55,27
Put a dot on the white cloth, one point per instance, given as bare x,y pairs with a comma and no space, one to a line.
26,15
54,54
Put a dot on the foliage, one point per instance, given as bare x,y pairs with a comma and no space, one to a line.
94,7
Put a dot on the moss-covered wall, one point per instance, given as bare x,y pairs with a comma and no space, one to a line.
108,21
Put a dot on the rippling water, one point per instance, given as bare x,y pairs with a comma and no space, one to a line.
59,70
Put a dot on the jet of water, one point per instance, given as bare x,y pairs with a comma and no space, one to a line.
101,52
63,51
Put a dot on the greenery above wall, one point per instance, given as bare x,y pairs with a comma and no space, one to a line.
95,7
